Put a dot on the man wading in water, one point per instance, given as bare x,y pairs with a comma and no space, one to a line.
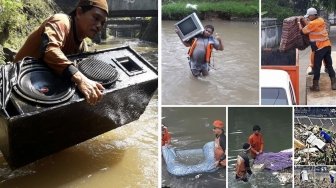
200,50
220,143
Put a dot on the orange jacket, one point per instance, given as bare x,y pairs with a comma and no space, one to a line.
257,144
52,41
165,137
208,50
317,31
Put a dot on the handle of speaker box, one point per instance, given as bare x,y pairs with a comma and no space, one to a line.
4,91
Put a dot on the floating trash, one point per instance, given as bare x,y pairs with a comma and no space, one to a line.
310,148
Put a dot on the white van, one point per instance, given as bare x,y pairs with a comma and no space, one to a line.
276,88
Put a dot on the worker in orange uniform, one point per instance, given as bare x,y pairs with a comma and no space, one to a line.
320,45
311,63
256,141
62,35
165,137
220,143
243,164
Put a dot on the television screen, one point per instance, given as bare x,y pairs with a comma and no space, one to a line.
187,26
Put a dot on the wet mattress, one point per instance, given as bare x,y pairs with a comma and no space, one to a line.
178,168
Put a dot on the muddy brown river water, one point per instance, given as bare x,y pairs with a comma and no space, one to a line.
235,78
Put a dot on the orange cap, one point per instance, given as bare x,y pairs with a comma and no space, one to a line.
102,4
218,124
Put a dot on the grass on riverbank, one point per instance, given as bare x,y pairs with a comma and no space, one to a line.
19,18
223,9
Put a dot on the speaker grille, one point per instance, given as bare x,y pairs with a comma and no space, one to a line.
98,71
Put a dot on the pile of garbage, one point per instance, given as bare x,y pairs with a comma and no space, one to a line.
307,184
324,182
310,149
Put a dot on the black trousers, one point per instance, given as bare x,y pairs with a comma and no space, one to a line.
319,55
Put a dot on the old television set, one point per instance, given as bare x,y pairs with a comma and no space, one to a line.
189,27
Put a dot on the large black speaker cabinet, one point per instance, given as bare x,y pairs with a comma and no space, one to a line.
46,114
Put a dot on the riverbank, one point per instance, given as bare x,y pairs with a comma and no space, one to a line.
18,19
227,10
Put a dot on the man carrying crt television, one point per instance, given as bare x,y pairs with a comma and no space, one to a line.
200,50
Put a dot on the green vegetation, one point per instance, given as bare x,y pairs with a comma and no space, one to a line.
20,17
223,9
274,9
283,8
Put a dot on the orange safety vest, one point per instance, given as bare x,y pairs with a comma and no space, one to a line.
317,32
208,50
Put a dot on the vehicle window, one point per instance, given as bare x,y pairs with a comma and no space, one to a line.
273,96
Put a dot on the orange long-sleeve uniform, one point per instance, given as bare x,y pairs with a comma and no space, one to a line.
166,137
52,41
317,30
257,144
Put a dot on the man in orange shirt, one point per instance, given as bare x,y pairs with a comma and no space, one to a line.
165,137
62,35
320,45
256,141
220,142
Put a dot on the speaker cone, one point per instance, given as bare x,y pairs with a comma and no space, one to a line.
37,83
